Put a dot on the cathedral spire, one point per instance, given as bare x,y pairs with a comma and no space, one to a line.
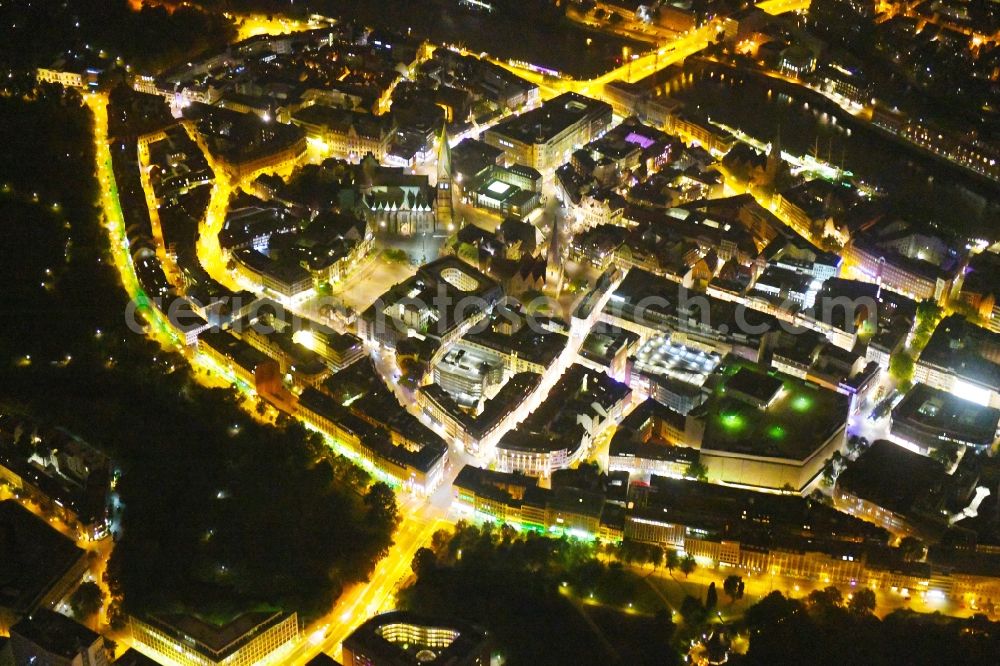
444,155
445,212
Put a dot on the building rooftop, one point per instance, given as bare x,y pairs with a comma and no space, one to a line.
654,301
664,360
337,342
132,657
551,118
536,346
216,641
555,424
442,294
785,279
343,121
966,350
506,487
241,137
603,343
55,633
234,349
69,472
635,438
929,415
762,389
888,254
249,219
370,401
525,171
472,156
258,262
784,417
748,515
34,556
895,478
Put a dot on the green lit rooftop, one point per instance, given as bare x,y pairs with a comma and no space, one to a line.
799,418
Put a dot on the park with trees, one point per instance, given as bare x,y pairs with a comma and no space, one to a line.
547,600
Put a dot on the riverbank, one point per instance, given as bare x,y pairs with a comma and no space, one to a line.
861,118
806,122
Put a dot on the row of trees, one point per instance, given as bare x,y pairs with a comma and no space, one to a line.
636,552
902,362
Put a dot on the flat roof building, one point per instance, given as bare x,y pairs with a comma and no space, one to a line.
928,417
38,565
963,359
284,281
893,487
248,639
608,348
757,533
769,430
651,440
672,373
468,374
650,304
47,638
545,137
133,657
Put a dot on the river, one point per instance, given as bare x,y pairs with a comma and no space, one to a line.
922,186
545,38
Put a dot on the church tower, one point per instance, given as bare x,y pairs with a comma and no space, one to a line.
554,258
774,161
445,204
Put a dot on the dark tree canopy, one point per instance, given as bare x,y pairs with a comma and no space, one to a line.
86,600
151,39
824,632
711,597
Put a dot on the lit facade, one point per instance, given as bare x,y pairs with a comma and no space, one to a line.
545,137
401,638
262,638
